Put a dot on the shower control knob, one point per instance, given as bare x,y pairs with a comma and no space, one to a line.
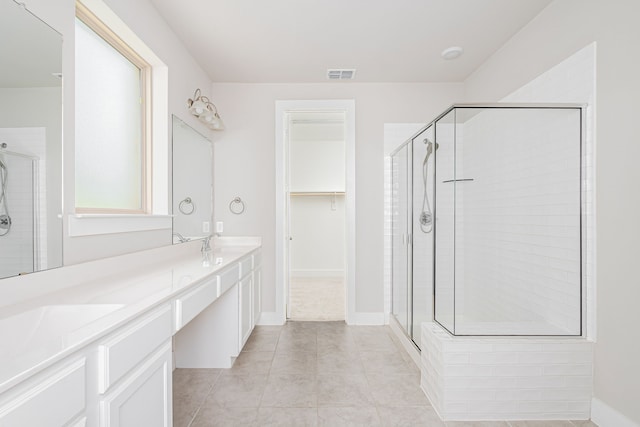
426,218
5,222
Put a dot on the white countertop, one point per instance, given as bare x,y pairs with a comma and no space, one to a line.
40,331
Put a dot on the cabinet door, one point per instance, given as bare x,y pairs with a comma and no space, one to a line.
256,297
144,396
246,311
55,398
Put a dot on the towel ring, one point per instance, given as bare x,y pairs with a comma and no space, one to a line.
183,206
236,206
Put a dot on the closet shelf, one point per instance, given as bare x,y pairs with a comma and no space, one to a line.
316,193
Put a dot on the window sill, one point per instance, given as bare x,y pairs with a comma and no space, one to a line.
95,224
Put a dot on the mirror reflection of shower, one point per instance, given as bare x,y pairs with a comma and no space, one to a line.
426,216
5,218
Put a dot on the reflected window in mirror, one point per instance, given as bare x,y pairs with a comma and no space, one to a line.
30,142
192,183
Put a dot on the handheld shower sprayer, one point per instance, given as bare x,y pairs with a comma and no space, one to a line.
5,219
426,217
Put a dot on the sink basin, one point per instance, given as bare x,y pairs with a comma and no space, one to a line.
48,324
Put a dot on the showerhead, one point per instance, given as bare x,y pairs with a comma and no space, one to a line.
430,146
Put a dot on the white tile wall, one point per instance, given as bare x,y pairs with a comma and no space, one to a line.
506,378
510,270
399,237
17,247
517,258
395,134
387,235
573,80
422,250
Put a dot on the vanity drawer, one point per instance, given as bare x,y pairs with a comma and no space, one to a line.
228,278
257,260
245,266
190,305
121,352
57,399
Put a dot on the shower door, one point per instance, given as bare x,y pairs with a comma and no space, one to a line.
18,208
412,173
400,246
421,285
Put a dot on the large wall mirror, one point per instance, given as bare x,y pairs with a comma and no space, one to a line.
192,183
30,142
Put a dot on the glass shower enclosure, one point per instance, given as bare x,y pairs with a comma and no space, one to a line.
412,233
487,222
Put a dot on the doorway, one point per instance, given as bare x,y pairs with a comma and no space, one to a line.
316,175
315,195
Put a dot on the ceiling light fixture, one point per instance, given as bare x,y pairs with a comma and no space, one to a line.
452,52
201,107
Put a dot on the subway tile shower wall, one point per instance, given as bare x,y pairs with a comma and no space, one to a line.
573,80
517,231
506,378
20,249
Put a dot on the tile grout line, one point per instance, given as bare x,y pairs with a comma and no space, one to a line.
195,414
273,358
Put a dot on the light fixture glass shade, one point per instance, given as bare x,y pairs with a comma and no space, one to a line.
198,107
217,123
206,116
205,111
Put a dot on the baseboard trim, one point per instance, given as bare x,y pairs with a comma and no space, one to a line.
605,416
271,318
317,273
359,318
363,318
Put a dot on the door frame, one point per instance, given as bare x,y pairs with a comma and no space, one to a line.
282,215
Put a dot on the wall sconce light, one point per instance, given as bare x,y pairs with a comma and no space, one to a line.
205,110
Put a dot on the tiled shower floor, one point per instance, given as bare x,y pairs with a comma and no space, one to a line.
315,374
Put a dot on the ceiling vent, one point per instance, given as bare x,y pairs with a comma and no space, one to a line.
341,74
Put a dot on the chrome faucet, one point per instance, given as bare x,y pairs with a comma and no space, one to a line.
181,238
206,243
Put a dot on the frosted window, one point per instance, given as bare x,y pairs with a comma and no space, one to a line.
109,146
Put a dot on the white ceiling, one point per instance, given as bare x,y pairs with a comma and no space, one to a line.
386,41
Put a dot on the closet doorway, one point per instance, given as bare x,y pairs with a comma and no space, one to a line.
316,201
316,172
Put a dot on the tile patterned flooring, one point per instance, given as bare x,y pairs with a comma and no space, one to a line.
315,374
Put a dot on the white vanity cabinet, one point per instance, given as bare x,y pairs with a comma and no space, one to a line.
55,397
245,312
144,396
122,376
250,296
215,337
256,293
134,372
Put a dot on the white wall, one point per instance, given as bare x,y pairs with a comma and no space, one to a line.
317,157
560,30
245,159
185,75
318,232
